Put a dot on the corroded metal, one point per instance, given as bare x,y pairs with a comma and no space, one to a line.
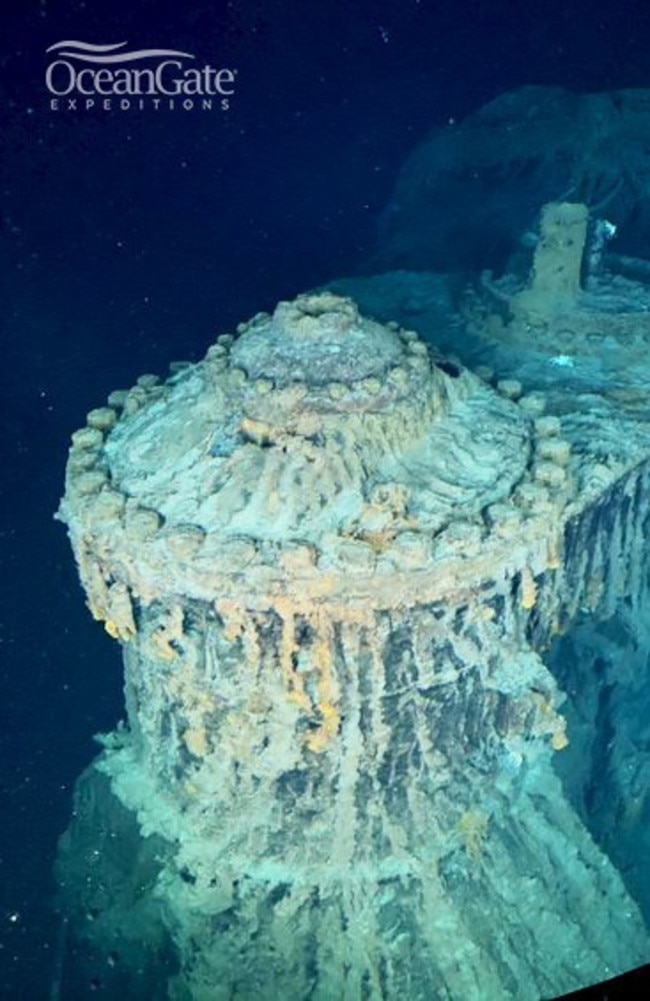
334,559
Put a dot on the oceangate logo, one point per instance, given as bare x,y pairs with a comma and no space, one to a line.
111,82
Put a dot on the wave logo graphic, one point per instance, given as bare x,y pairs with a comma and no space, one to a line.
113,75
107,54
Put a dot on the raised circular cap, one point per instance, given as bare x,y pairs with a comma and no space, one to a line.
316,339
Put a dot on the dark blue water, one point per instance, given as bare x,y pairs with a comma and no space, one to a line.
131,238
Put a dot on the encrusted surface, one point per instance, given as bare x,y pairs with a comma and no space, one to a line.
332,484
333,558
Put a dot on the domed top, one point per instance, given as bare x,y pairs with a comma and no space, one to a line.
317,339
318,446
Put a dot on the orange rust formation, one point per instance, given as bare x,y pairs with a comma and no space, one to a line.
334,559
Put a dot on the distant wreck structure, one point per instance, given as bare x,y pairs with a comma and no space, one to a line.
469,194
338,563
571,310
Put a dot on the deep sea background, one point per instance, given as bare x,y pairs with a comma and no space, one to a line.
129,239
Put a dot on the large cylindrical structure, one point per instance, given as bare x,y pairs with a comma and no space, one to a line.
333,559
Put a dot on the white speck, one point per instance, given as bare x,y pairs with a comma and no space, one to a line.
562,361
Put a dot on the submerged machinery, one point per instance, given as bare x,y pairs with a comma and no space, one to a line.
339,564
